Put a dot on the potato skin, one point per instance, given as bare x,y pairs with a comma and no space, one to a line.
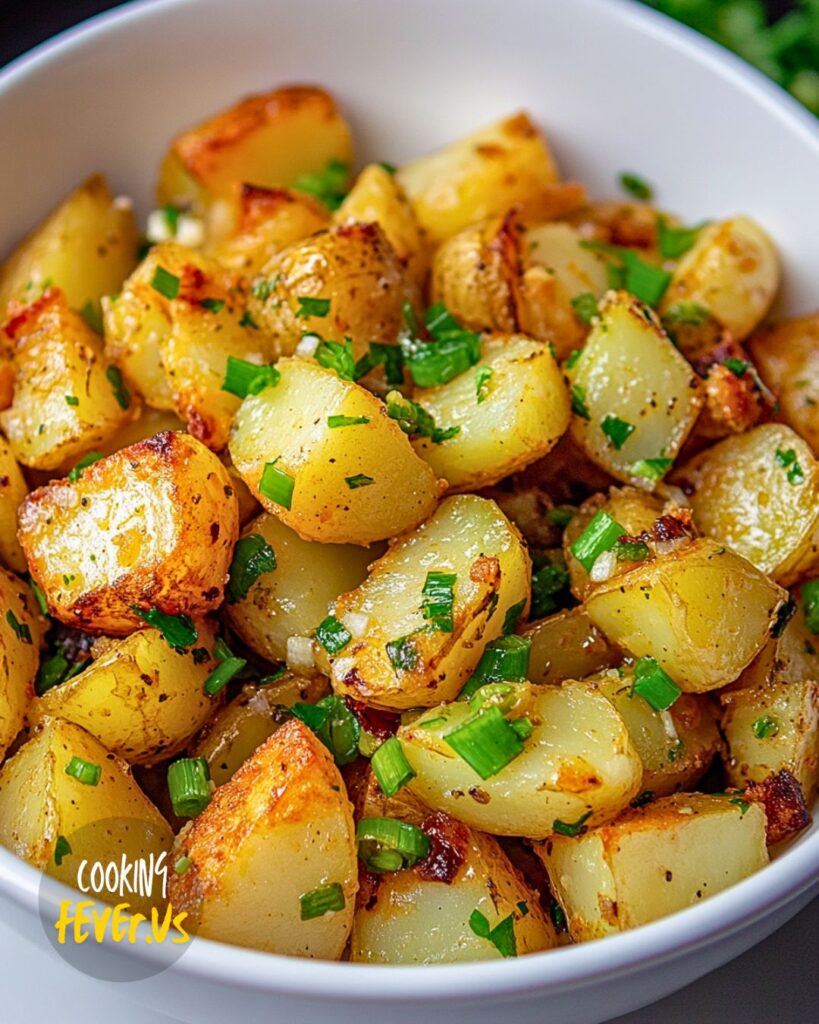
163,518
19,654
13,489
286,805
64,404
140,698
289,423
85,247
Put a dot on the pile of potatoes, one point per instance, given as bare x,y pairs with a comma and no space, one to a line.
237,460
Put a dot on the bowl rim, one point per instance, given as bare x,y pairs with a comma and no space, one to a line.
794,872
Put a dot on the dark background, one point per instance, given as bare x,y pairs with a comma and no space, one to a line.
23,24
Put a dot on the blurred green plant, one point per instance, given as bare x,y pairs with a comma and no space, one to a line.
786,49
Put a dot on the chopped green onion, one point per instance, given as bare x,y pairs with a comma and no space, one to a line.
764,727
414,419
178,630
274,676
84,463
630,551
323,900
252,557
228,667
212,305
72,400
262,288
391,767
21,630
561,515
164,282
502,695
311,307
787,460
333,635
571,828
579,407
674,242
738,367
451,352
573,358
83,771
390,355
39,596
523,727
171,214
512,617
486,741
243,378
635,185
600,535
121,393
558,917
333,355
743,805
189,786
53,671
482,380
585,307
689,314
346,421
502,936
403,654
386,844
438,599
90,312
328,185
334,724
359,480
810,606
651,469
646,282
182,865
523,907
654,685
642,798
276,485
248,321
389,168
503,660
61,849
550,586
616,430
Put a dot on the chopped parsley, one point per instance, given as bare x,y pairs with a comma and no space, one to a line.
178,630
164,282
252,557
627,270
311,307
414,419
502,936
328,186
787,460
616,430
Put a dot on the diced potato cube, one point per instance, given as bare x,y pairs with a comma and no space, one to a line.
21,630
13,489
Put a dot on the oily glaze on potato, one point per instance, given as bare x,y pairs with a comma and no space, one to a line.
12,491
568,646
66,402
352,485
286,805
629,370
293,599
467,536
518,415
140,698
21,630
505,164
352,266
702,611
758,492
578,759
86,247
151,526
732,270
654,861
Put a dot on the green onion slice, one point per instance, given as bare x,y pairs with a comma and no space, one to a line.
486,741
503,660
386,844
189,786
321,901
243,378
334,724
391,767
333,635
83,771
164,282
600,535
654,685
571,828
438,599
276,485
178,630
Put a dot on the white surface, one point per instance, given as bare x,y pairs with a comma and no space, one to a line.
614,87
776,981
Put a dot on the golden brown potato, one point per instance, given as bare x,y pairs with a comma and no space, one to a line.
353,269
286,805
246,722
635,397
732,270
152,526
171,330
40,802
292,599
758,493
269,220
702,611
568,646
483,174
510,411
354,484
142,699
787,357
653,861
377,198
67,402
392,659
85,247
271,139
12,491
21,631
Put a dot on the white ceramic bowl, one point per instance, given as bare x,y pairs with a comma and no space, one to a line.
615,87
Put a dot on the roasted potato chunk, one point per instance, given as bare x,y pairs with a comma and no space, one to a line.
653,861
511,411
142,699
732,270
163,520
352,277
758,492
505,164
67,402
579,760
12,491
568,646
286,805
393,659
351,485
292,599
702,611
635,397
86,248
21,631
